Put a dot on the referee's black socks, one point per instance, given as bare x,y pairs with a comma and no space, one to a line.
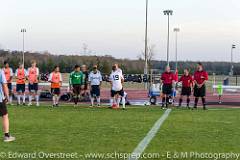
180,102
163,101
196,102
204,102
188,101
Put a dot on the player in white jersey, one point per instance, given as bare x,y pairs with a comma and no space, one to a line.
3,108
116,79
95,81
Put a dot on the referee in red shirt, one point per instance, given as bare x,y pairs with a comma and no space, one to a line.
187,85
200,78
168,79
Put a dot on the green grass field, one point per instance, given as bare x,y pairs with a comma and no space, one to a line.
100,130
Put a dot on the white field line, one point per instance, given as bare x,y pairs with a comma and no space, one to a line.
151,134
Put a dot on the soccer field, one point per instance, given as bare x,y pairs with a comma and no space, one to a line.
82,131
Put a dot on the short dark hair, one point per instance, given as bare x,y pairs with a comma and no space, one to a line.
5,62
77,66
200,64
55,67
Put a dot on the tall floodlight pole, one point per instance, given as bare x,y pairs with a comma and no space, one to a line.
168,13
233,47
176,30
146,41
146,45
23,31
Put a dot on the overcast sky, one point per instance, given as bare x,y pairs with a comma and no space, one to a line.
116,27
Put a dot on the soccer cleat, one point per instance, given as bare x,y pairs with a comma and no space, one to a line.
29,104
9,139
53,105
115,106
98,105
37,104
57,105
24,104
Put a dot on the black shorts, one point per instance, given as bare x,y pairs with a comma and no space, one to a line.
55,91
33,87
186,91
199,92
85,86
10,87
20,88
121,93
95,91
76,89
167,89
3,109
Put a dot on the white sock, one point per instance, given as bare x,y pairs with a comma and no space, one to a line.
111,101
10,99
92,101
57,99
37,98
30,99
54,101
123,102
19,99
23,97
98,100
118,101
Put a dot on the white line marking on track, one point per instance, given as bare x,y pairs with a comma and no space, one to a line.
151,134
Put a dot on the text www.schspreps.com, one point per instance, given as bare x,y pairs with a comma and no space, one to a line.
116,155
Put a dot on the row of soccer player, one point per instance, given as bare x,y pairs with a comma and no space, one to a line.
79,80
195,83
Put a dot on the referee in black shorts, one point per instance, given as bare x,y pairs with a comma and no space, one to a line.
200,78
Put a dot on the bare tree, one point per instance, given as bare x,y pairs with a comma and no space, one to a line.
150,55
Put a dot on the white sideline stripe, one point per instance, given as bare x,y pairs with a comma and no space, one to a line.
151,134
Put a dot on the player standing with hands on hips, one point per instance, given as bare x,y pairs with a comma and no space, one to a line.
200,78
116,79
4,95
95,81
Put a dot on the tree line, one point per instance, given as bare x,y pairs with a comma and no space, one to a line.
47,61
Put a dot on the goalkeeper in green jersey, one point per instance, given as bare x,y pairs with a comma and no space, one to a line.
76,83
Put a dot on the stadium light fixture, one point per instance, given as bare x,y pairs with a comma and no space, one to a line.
176,30
23,31
168,13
